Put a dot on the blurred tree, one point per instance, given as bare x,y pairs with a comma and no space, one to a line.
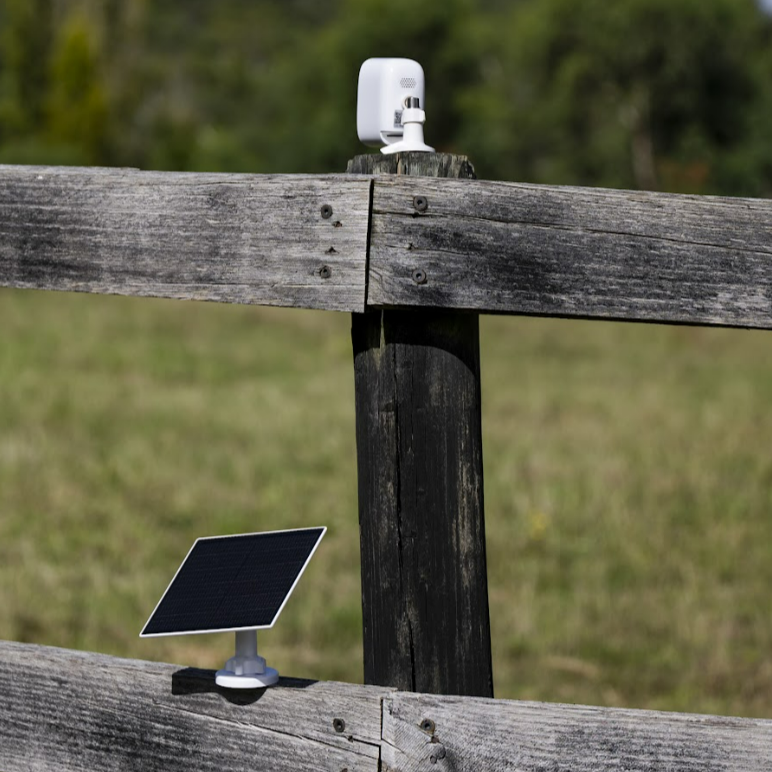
635,93
673,94
63,80
308,98
26,29
77,112
214,61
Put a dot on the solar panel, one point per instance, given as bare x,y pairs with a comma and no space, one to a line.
233,582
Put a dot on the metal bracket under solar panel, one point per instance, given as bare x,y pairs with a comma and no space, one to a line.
235,583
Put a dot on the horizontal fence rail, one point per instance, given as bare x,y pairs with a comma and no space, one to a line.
271,240
302,241
68,710
553,251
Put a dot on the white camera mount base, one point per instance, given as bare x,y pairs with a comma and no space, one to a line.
413,120
246,670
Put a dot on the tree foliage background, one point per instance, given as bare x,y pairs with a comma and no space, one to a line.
667,94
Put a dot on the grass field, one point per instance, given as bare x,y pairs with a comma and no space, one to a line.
628,490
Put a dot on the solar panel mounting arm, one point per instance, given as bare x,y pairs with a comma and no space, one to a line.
246,670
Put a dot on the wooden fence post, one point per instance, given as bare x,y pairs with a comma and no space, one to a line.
419,454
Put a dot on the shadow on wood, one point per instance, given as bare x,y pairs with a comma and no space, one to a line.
192,680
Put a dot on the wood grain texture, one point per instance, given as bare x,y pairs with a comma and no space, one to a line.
74,711
438,165
224,237
530,249
419,451
486,247
67,710
468,735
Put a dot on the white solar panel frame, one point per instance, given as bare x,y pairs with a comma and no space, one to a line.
143,634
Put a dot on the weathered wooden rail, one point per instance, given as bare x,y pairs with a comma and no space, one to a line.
490,247
69,710
415,249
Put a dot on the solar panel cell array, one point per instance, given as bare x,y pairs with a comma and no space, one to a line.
232,582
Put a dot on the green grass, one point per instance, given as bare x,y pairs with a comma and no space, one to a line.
628,490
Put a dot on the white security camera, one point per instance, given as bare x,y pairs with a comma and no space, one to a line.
389,105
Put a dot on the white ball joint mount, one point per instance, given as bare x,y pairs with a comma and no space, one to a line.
390,98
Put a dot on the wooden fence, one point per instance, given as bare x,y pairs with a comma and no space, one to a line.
489,247
415,249
70,710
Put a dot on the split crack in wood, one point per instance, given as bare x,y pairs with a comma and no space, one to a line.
567,229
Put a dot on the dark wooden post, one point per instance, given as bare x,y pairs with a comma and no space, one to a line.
419,453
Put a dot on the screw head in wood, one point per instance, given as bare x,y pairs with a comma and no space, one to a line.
325,272
440,753
326,211
420,203
427,725
339,725
419,276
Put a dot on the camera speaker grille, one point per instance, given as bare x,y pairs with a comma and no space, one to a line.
408,83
